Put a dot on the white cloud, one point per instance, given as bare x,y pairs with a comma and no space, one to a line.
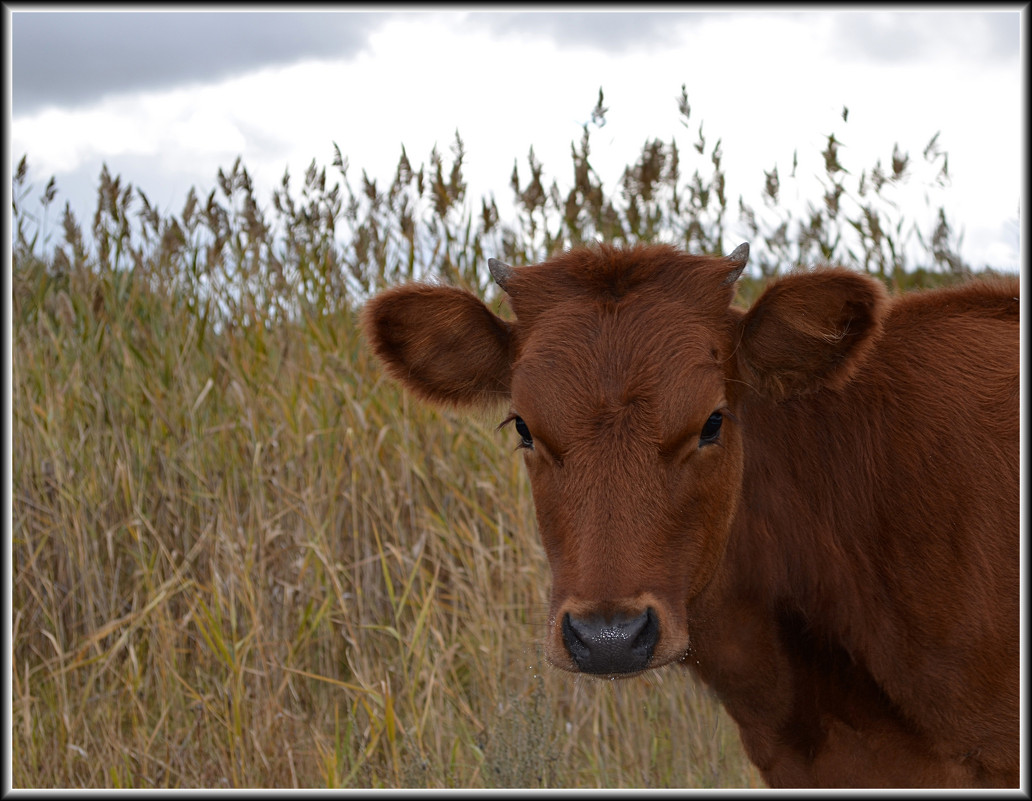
766,84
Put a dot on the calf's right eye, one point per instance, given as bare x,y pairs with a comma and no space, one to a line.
526,440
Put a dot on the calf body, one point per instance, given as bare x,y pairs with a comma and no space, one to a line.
813,503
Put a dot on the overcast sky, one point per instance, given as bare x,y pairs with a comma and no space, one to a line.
167,98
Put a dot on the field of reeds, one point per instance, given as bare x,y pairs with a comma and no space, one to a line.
242,558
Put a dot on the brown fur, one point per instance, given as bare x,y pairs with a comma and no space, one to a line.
841,565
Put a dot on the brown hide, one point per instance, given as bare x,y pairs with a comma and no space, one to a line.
813,504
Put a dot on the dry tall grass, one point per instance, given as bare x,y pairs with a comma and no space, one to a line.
241,558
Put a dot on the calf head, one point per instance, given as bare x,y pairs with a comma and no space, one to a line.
623,371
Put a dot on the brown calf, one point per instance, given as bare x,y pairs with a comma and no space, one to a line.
812,503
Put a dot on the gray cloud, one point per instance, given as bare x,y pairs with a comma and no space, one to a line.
605,30
894,37
75,58
874,35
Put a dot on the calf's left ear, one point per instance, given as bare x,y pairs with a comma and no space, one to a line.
808,331
441,343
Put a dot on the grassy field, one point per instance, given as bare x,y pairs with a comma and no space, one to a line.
243,559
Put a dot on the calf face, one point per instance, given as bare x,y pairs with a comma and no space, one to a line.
622,371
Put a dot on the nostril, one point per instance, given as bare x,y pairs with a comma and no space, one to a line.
618,645
572,637
648,635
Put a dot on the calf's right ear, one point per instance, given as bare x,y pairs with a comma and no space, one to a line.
441,343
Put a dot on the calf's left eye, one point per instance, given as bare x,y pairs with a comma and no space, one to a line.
711,430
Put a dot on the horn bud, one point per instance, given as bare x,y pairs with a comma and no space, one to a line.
500,272
738,258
